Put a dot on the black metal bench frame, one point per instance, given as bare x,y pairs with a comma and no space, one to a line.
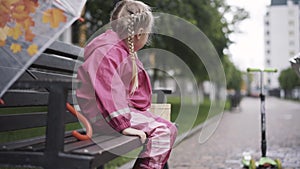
48,82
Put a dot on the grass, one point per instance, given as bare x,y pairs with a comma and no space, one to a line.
25,133
181,115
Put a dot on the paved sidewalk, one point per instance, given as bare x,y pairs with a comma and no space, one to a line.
239,132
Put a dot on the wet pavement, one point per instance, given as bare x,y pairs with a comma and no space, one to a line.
239,132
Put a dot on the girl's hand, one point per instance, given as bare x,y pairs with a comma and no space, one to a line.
134,132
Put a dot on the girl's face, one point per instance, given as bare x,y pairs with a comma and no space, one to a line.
140,40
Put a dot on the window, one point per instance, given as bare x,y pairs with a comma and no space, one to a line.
267,23
292,53
291,12
291,33
291,23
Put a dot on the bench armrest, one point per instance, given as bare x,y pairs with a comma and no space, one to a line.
161,94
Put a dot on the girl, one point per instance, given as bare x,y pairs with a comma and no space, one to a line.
115,83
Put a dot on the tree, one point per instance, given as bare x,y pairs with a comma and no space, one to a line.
208,16
288,80
233,75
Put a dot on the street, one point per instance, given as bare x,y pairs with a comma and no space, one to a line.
239,131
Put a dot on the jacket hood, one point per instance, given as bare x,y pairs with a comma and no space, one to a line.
109,38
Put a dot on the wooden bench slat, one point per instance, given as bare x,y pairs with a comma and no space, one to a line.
38,159
22,121
26,143
41,145
39,74
28,120
45,83
20,98
86,143
112,145
64,49
21,143
55,63
102,156
17,98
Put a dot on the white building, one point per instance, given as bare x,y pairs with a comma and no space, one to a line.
282,38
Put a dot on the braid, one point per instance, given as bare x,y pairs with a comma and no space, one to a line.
132,53
127,17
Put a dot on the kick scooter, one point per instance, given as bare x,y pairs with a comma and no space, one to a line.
264,162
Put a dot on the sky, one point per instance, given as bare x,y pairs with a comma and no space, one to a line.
248,48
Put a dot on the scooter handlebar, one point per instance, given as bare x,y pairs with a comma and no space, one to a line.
269,70
253,70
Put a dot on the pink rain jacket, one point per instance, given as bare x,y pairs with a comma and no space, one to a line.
106,82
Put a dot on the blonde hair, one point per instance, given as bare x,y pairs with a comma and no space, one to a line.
127,18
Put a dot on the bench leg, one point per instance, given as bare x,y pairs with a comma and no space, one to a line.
166,166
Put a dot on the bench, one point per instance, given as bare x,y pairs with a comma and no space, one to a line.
48,82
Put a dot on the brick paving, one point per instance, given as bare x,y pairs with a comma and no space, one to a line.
239,131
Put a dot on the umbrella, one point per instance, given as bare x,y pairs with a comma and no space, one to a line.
295,63
27,28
